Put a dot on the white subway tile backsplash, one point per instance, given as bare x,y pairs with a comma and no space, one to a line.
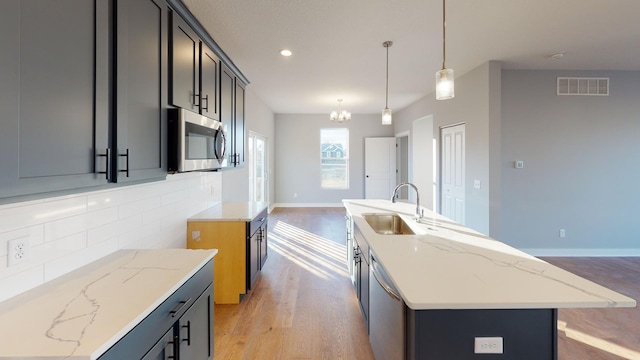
21,282
71,225
15,217
72,261
68,232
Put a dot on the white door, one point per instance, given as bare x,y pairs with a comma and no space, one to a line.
379,167
452,172
258,177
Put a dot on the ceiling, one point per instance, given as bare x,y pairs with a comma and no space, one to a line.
338,53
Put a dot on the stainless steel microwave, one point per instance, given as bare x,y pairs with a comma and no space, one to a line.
196,142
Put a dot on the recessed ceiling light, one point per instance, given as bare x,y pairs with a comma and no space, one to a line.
557,56
286,52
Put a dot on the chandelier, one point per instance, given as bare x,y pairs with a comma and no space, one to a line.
340,115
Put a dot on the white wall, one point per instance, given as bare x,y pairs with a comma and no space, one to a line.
298,157
68,232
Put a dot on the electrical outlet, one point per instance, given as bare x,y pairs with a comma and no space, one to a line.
488,345
562,233
18,251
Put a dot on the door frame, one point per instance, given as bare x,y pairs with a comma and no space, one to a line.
251,158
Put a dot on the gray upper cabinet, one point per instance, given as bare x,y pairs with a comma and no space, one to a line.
209,84
54,95
232,116
194,71
185,65
141,83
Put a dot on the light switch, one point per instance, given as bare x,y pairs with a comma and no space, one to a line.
476,184
518,164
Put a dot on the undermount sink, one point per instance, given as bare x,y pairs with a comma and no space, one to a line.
388,224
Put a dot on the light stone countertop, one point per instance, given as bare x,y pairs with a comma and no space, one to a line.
82,314
231,211
448,266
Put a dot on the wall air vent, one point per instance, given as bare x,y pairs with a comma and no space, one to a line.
583,86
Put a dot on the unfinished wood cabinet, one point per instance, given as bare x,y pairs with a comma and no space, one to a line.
242,251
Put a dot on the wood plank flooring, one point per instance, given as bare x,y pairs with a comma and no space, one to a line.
304,306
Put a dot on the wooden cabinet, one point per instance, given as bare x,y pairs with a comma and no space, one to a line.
141,100
232,109
54,95
242,252
195,71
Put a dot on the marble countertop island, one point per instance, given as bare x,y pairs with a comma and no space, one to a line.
448,266
82,314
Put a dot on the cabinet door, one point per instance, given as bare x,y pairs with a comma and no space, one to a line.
141,84
254,258
54,94
239,125
227,88
196,328
185,65
209,73
263,245
164,349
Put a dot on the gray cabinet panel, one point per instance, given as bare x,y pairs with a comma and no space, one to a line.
239,126
53,88
141,82
209,72
227,86
163,349
185,49
196,328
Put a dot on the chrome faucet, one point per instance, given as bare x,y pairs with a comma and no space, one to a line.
395,196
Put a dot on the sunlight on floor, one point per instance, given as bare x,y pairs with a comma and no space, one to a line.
598,343
314,253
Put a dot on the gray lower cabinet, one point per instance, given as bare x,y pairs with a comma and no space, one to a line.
54,95
257,247
179,328
141,83
361,273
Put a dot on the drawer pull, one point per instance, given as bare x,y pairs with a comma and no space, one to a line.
179,307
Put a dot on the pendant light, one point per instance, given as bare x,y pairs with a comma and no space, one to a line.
386,112
444,77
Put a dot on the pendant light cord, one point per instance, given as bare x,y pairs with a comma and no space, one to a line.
444,37
386,102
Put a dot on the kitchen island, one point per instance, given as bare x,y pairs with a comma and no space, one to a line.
461,288
128,305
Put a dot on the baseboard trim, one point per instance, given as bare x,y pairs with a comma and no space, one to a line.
308,205
583,252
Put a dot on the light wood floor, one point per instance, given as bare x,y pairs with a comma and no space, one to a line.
304,306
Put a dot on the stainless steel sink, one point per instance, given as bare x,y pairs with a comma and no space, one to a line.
388,224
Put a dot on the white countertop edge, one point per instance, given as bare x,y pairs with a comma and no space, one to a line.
125,330
516,305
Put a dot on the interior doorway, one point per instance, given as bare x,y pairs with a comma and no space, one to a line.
258,165
452,172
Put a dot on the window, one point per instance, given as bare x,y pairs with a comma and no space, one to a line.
334,158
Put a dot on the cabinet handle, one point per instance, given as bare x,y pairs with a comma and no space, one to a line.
188,339
126,155
204,108
196,96
179,307
107,154
174,348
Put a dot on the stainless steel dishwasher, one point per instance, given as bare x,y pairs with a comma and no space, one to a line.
386,315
